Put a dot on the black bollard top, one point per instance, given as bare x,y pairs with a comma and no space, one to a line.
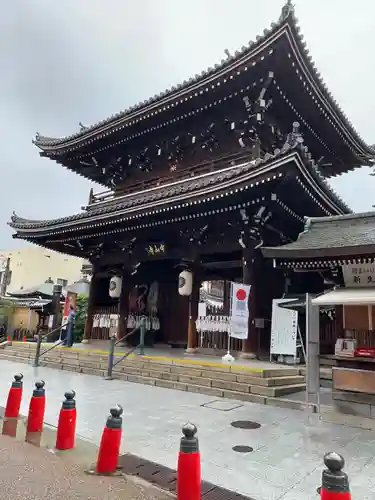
17,383
189,441
334,478
334,462
39,390
69,402
114,421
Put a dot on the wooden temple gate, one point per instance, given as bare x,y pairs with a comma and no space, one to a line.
200,178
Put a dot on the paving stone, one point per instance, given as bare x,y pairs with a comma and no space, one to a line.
153,417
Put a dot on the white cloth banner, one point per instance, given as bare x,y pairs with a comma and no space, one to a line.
239,314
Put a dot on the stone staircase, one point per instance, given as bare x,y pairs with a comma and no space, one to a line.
264,386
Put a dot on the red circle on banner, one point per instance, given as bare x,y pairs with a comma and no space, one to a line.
241,294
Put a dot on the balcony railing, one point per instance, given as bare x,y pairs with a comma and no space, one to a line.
186,173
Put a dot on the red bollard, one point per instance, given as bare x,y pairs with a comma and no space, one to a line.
335,482
66,428
110,443
12,409
189,465
37,408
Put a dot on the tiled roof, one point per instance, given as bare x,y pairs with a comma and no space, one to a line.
30,303
338,233
287,21
199,185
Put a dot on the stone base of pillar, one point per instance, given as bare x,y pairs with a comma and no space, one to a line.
248,355
85,341
191,350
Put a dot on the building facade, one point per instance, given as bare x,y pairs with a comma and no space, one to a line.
341,248
31,265
199,178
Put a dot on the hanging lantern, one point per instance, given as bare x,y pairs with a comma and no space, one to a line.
115,285
185,283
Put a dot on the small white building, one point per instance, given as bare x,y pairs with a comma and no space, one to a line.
33,264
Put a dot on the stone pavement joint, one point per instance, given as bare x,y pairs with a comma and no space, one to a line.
30,473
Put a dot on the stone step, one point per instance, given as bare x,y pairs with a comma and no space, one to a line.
325,372
156,370
180,378
144,374
161,364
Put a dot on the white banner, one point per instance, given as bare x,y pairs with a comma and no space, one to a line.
283,329
239,314
359,275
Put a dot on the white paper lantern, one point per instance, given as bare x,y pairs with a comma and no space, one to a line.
115,285
185,283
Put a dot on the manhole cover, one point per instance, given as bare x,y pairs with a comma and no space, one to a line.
242,449
245,424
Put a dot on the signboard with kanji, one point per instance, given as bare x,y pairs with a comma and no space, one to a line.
359,275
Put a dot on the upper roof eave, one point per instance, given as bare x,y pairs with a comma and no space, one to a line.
286,20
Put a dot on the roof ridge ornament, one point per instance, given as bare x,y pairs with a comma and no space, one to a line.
307,225
286,11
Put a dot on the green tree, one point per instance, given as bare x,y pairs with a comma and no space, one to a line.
81,314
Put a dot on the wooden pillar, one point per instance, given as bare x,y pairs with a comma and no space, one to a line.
226,297
192,343
123,306
339,322
90,310
249,270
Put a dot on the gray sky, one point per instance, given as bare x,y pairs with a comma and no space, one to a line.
62,62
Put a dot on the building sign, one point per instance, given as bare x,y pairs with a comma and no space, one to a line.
239,314
359,275
156,250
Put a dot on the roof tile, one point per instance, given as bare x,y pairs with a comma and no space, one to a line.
323,233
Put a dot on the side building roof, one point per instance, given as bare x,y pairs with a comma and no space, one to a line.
342,235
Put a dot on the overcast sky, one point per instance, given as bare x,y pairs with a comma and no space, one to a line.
62,62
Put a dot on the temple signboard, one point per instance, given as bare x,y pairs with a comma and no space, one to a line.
156,250
359,275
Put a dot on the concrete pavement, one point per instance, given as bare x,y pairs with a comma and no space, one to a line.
31,473
288,448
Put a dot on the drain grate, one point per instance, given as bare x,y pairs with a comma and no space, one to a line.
245,424
166,478
239,448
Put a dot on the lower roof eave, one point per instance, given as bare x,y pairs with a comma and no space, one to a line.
246,177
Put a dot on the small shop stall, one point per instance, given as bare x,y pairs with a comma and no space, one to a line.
353,376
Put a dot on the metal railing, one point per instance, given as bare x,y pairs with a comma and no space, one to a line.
40,337
114,343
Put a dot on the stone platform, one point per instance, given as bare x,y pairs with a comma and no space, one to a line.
253,381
